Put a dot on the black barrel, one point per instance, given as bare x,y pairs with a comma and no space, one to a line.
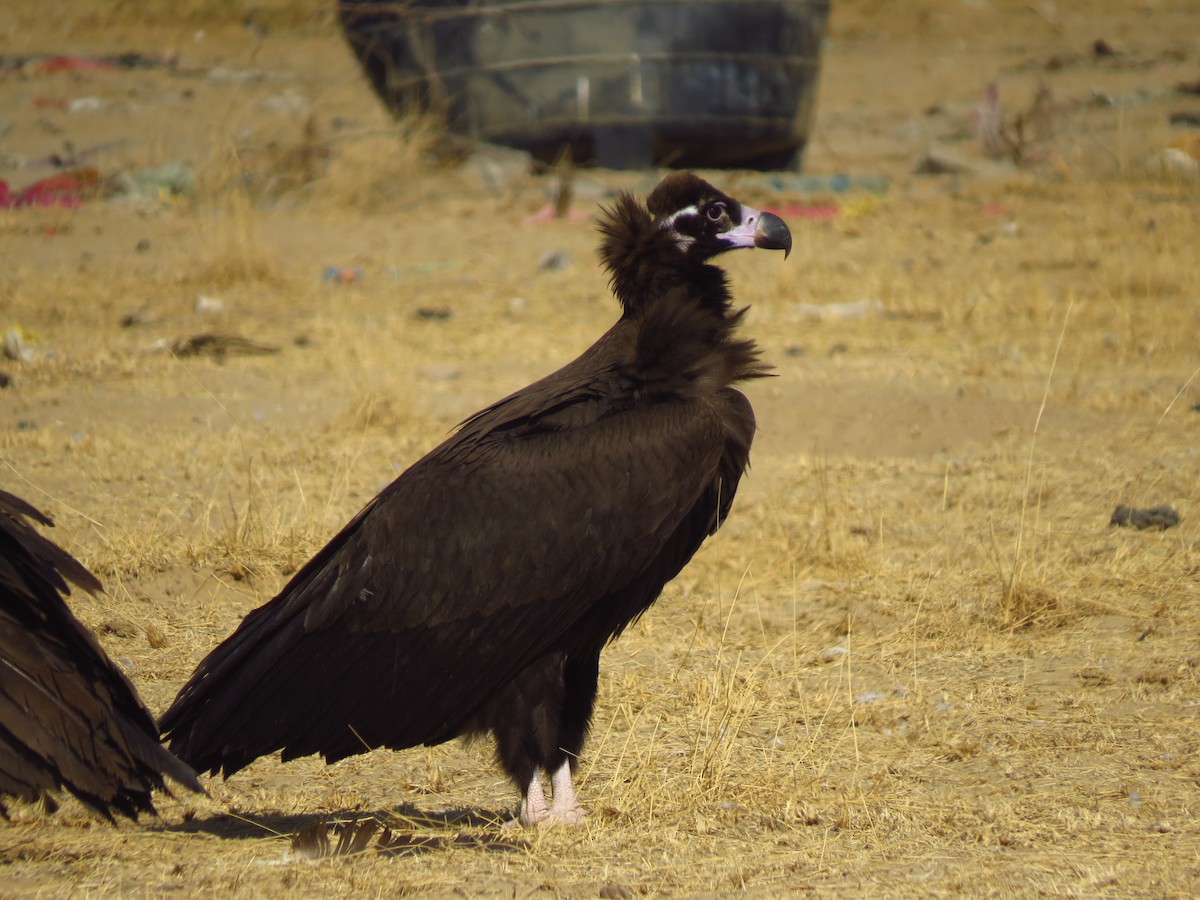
681,83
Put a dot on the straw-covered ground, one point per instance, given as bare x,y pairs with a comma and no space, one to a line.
917,661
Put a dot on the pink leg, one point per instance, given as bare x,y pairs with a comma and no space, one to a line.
533,804
565,808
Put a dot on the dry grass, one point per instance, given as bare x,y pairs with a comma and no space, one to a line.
917,661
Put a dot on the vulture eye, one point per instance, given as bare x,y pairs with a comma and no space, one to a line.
716,212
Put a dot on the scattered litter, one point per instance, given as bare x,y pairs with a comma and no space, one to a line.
553,261
209,305
342,274
1162,516
14,346
45,64
1174,162
852,310
34,64
68,189
434,312
424,268
215,345
87,104
173,179
837,183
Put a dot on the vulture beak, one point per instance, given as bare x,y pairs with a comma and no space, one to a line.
760,229
772,234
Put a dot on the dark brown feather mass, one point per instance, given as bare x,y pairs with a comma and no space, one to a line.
477,590
69,718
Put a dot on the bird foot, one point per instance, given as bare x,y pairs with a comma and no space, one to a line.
564,809
572,815
547,818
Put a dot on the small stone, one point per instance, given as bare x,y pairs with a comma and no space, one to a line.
1162,516
436,313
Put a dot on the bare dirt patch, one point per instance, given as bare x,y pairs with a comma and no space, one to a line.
917,661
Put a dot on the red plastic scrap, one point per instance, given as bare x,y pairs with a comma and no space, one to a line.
70,64
63,189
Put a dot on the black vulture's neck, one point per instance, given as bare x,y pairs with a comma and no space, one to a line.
646,264
680,305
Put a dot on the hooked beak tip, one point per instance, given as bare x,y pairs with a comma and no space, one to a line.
772,234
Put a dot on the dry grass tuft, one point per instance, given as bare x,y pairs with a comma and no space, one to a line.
230,249
383,171
1032,606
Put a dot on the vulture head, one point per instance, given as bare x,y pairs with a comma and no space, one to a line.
704,222
652,249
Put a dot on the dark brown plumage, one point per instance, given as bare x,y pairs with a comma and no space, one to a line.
69,718
476,592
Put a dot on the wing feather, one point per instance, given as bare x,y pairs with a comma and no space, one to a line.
69,718
477,560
